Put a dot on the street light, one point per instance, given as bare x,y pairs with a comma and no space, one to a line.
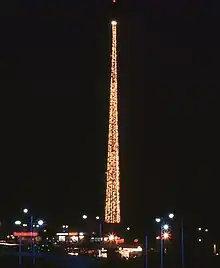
32,225
163,234
25,210
40,222
166,236
171,215
128,228
111,237
165,227
18,223
100,226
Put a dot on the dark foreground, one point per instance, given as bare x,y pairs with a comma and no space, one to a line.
86,262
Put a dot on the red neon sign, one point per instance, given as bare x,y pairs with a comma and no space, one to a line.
26,234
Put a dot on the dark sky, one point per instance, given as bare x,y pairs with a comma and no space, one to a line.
54,142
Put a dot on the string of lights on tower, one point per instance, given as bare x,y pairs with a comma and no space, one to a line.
112,204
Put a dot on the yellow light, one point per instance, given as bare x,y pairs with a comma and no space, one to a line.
166,236
112,204
111,237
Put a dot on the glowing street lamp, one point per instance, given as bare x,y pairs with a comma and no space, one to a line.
84,216
25,210
18,223
100,226
158,220
171,215
166,236
165,227
111,238
114,22
40,222
163,234
32,225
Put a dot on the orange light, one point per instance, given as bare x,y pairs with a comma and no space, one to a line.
120,241
166,236
73,234
111,237
26,234
112,202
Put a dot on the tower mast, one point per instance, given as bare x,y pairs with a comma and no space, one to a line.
112,204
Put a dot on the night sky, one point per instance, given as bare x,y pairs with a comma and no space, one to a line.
54,143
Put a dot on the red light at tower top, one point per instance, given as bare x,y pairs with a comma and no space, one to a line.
114,1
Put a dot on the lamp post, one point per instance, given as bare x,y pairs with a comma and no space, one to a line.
163,235
39,223
171,216
161,247
32,226
85,217
18,223
163,227
100,226
32,239
146,251
31,231
182,245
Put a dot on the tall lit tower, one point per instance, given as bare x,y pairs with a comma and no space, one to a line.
112,204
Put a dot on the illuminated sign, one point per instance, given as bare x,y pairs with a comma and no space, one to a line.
73,234
113,239
62,234
26,234
120,241
66,234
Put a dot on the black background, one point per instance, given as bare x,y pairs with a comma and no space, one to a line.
55,67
